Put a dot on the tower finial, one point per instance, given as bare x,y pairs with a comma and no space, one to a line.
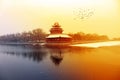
56,24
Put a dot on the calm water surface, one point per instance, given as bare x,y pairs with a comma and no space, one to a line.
40,63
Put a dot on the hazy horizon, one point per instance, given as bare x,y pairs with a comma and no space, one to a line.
24,15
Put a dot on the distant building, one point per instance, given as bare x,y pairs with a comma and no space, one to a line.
56,37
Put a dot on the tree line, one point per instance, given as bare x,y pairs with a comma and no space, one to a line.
80,36
35,35
38,35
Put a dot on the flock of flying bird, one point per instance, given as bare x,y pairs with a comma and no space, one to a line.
82,14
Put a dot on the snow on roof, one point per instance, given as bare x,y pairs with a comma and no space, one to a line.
58,35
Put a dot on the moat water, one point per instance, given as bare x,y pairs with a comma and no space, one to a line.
73,63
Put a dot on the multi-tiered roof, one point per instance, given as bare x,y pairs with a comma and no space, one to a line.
56,29
56,37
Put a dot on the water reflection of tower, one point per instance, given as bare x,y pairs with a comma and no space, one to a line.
56,55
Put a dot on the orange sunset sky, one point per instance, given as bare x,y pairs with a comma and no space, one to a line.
24,15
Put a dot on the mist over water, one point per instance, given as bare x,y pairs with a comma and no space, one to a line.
72,63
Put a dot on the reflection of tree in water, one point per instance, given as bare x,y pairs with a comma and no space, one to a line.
38,54
35,54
